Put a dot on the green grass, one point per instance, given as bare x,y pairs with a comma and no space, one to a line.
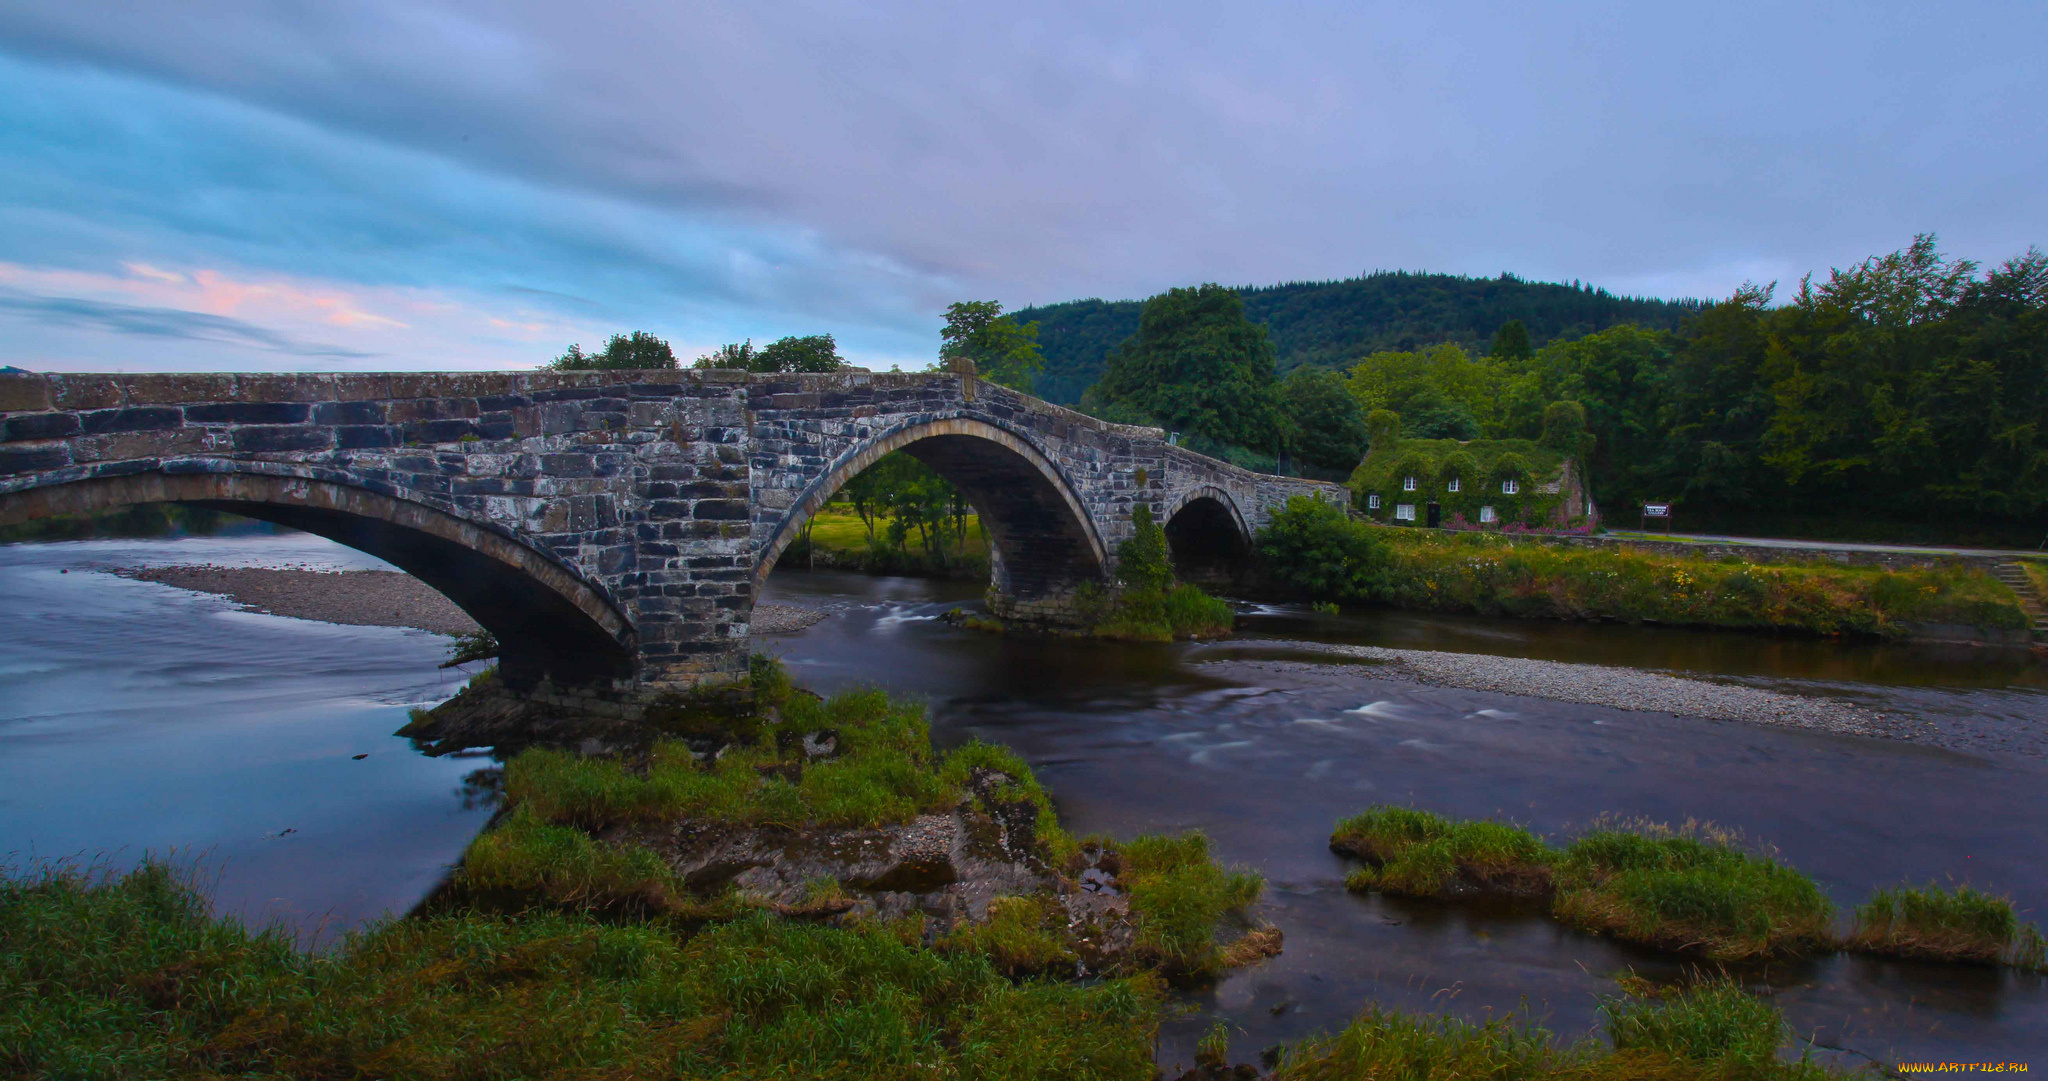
1419,854
130,977
1154,615
840,540
1178,896
1489,575
1691,888
1713,1030
1934,924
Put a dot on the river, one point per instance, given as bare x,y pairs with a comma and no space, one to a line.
135,717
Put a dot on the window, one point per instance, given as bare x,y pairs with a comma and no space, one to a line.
1404,512
1486,514
1372,502
1510,486
1452,486
1407,484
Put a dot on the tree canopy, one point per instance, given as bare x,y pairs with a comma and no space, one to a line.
631,352
1197,365
810,353
1003,350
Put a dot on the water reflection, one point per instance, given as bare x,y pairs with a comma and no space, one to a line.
136,718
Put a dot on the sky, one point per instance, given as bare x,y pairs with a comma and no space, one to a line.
262,185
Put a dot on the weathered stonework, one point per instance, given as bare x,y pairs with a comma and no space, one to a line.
612,528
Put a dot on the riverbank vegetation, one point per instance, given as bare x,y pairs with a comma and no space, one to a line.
1692,888
1315,550
1152,606
898,516
1711,1029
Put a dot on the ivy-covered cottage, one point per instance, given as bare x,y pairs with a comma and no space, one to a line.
1504,484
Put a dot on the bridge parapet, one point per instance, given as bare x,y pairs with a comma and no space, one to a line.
642,507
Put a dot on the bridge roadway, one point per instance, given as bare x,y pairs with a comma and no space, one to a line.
612,529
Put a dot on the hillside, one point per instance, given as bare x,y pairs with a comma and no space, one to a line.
1333,323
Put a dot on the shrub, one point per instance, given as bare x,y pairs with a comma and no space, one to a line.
1316,549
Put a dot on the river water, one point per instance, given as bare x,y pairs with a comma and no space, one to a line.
135,717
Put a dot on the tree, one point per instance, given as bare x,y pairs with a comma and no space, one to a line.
637,351
1325,425
1002,350
1199,366
1431,415
1511,342
733,356
812,353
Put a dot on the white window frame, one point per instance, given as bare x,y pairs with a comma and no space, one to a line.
1372,502
1407,484
1404,512
1452,486
1486,515
1510,486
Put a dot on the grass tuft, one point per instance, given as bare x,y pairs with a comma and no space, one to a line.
1933,924
1419,854
1178,895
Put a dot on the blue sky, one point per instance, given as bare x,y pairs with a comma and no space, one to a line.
423,185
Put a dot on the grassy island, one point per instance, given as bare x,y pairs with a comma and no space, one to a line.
1694,888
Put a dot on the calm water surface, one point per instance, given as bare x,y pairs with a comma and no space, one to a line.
138,717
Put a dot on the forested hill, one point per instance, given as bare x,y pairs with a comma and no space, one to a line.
1331,324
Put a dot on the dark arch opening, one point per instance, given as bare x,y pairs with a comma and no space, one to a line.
1206,543
549,623
1040,538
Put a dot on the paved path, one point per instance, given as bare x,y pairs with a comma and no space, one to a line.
1837,546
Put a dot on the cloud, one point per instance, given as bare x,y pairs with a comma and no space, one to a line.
159,323
719,170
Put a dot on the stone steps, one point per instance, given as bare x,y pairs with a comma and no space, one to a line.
2015,578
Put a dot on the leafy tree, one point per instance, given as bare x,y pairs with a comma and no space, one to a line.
1199,366
1003,351
637,351
1325,425
1511,342
1431,415
733,356
811,353
1315,548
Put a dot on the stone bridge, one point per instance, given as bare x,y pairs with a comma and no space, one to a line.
612,529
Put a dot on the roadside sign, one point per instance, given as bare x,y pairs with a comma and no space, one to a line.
1657,510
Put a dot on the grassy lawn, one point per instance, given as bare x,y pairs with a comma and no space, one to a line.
1491,575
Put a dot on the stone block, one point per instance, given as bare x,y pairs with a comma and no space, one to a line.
25,426
23,392
86,392
278,440
146,419
248,413
349,413
20,458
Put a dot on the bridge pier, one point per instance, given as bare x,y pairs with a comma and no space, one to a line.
613,529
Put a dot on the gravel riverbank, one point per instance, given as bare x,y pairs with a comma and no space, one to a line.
1623,688
373,598
357,598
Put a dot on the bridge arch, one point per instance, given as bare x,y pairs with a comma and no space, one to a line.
1207,534
549,621
1045,541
